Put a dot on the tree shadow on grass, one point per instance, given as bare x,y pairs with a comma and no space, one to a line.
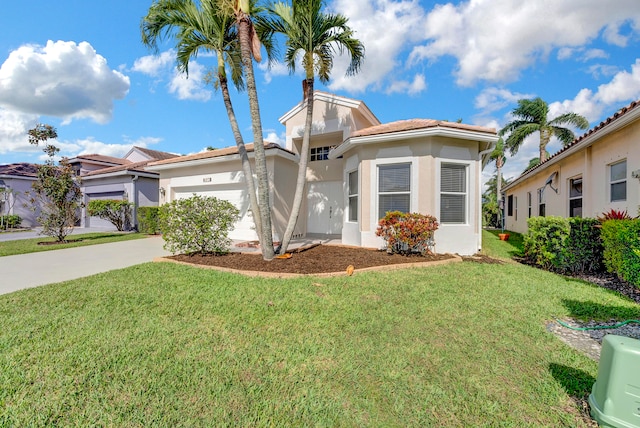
577,383
598,311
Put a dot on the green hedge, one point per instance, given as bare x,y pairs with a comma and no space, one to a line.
148,220
564,244
621,240
10,221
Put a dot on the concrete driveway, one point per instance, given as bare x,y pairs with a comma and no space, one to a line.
35,269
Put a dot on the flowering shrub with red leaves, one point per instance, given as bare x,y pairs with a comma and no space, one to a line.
408,233
614,215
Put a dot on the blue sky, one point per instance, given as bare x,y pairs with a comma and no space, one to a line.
80,66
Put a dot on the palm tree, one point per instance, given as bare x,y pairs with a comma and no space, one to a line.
499,157
531,116
250,49
208,27
314,37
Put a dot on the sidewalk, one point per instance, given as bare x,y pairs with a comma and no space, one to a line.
35,269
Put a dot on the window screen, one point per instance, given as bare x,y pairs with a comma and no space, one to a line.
394,188
453,193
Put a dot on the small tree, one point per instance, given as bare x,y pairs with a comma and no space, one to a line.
56,189
117,212
197,225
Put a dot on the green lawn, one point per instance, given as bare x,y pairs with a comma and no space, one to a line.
23,246
160,344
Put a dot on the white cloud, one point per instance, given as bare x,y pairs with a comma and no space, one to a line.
604,70
272,136
623,87
275,69
62,79
191,87
414,87
492,99
14,127
154,65
385,28
184,87
494,40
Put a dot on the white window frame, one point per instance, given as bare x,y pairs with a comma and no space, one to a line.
355,195
572,180
409,192
542,202
618,181
529,204
466,193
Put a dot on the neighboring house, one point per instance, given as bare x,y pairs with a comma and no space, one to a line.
106,177
597,172
358,169
15,181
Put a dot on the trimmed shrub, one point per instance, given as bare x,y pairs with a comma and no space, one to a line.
408,233
148,220
545,241
197,225
564,244
584,249
116,211
10,221
621,240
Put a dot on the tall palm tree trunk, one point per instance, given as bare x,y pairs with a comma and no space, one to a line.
246,34
545,137
244,157
302,167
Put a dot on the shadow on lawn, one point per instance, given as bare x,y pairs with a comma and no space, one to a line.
576,382
73,239
598,311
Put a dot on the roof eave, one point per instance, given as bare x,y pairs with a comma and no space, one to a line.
145,174
587,141
219,159
438,131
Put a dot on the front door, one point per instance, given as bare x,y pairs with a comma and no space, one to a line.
325,202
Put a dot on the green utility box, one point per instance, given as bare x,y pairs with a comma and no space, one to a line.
615,397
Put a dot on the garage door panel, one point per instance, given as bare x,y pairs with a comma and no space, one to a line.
97,221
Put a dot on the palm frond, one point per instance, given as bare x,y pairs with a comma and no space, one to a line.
573,119
518,135
565,135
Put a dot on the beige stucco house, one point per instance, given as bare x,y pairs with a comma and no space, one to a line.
597,172
358,169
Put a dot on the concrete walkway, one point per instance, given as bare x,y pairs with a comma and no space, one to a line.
35,269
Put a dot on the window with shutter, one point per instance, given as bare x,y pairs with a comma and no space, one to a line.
453,193
394,188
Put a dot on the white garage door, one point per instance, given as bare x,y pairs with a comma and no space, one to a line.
98,222
234,193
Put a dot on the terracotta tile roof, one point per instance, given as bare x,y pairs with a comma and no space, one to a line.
156,154
414,124
22,169
209,154
131,166
102,158
617,115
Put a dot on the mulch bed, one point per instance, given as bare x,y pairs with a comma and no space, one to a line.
313,260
